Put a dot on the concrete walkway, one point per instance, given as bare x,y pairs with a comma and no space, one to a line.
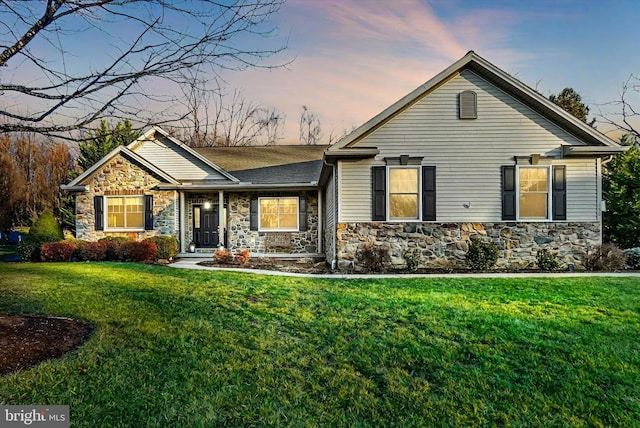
193,264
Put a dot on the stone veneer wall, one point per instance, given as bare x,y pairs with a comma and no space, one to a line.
445,244
241,237
121,177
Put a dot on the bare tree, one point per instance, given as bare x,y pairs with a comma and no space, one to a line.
140,42
241,124
310,129
628,115
273,125
336,135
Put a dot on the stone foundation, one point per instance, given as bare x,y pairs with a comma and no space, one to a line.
444,245
241,237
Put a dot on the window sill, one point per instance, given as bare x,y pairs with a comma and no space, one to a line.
123,230
278,230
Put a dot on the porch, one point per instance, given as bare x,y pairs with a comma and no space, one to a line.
243,220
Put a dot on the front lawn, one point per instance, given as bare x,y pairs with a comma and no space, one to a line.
187,348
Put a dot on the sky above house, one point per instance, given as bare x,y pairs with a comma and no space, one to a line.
353,58
347,60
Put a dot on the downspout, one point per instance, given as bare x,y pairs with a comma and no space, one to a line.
600,211
334,262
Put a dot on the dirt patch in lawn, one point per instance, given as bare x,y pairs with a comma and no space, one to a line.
26,341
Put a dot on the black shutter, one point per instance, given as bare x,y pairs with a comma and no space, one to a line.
379,180
559,193
148,212
508,192
428,193
302,212
253,213
98,207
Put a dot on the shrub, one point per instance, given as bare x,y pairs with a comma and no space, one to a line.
547,260
372,258
412,258
167,246
605,257
116,239
57,251
95,251
133,251
28,250
113,244
481,255
223,256
633,258
46,229
242,257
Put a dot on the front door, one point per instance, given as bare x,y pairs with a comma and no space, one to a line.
205,226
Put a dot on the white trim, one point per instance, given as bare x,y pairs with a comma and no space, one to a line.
221,218
297,228
122,150
183,223
105,213
388,194
549,195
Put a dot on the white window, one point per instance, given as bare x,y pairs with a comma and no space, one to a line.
278,214
125,212
534,193
404,193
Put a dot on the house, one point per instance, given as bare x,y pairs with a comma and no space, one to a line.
472,152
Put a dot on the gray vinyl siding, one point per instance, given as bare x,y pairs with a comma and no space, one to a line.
354,197
582,189
330,219
176,161
468,153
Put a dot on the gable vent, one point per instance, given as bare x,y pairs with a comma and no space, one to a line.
468,105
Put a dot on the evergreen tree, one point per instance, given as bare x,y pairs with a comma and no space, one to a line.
621,191
103,140
571,101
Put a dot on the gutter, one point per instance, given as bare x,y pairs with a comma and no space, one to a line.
78,188
312,185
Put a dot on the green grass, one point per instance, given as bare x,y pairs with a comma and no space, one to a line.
186,348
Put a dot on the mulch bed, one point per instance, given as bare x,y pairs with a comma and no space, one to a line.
26,341
311,267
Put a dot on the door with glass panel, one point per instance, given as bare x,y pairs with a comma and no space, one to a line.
205,226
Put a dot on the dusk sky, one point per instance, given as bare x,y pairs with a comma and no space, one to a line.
350,59
354,58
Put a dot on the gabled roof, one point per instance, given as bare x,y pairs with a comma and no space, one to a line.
250,157
501,79
120,150
150,134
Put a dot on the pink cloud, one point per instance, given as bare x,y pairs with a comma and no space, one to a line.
355,58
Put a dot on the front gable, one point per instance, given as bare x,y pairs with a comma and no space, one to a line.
482,69
177,159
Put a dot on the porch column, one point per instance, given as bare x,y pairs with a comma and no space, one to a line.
183,223
221,217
